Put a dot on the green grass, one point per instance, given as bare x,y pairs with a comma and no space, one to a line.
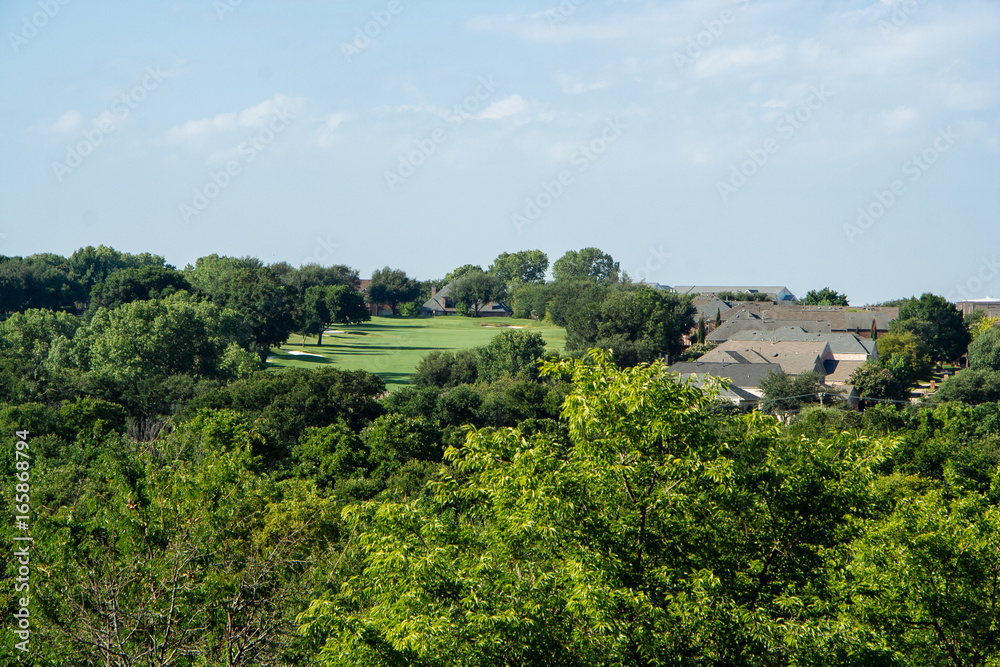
391,347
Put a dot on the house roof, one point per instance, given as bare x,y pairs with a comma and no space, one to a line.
715,289
739,375
750,322
438,303
838,372
840,343
795,357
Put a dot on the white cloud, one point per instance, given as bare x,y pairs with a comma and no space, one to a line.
68,122
255,116
508,106
326,135
574,87
899,119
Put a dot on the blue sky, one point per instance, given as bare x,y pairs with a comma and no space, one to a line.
848,144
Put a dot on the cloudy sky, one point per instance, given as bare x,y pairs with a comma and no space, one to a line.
843,143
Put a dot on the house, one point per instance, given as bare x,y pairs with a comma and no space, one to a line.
743,379
441,303
844,346
815,319
794,357
779,294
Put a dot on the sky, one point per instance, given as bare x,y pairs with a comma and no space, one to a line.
849,144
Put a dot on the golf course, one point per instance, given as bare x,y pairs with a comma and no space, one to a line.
391,347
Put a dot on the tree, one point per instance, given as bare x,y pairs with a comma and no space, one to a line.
268,309
701,330
971,386
508,354
38,281
984,352
141,284
786,393
452,276
744,296
718,318
928,573
587,264
633,536
911,352
639,324
874,331
326,305
874,381
91,265
391,287
824,297
520,268
314,275
211,272
446,369
947,334
476,289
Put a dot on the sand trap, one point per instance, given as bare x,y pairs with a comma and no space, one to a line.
503,326
299,353
330,331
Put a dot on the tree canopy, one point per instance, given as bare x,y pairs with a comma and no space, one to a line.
824,297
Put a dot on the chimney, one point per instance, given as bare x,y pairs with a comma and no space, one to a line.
434,291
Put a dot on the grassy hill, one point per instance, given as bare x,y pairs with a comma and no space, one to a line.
391,347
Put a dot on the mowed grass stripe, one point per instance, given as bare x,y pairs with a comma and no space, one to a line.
391,347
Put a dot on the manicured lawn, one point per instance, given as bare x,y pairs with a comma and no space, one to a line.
391,347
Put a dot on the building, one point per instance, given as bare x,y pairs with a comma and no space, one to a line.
441,303
779,294
988,304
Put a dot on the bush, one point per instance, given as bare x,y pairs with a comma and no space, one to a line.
971,387
446,369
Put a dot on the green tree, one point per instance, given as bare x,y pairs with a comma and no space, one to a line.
326,305
824,297
269,310
314,275
948,337
874,381
458,273
786,393
908,350
700,339
634,538
971,386
141,284
928,580
446,369
91,265
718,318
984,352
211,272
520,268
586,264
475,289
392,287
510,353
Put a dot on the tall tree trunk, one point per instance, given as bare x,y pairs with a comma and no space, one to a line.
319,341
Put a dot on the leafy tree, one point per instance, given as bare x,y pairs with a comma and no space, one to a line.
327,305
314,275
91,265
460,272
395,439
786,393
475,290
127,285
329,454
874,381
824,297
700,339
981,325
269,310
447,369
634,537
392,287
211,272
519,268
910,352
874,331
509,354
929,579
948,336
984,352
639,324
971,387
38,281
530,300
718,318
744,296
586,264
